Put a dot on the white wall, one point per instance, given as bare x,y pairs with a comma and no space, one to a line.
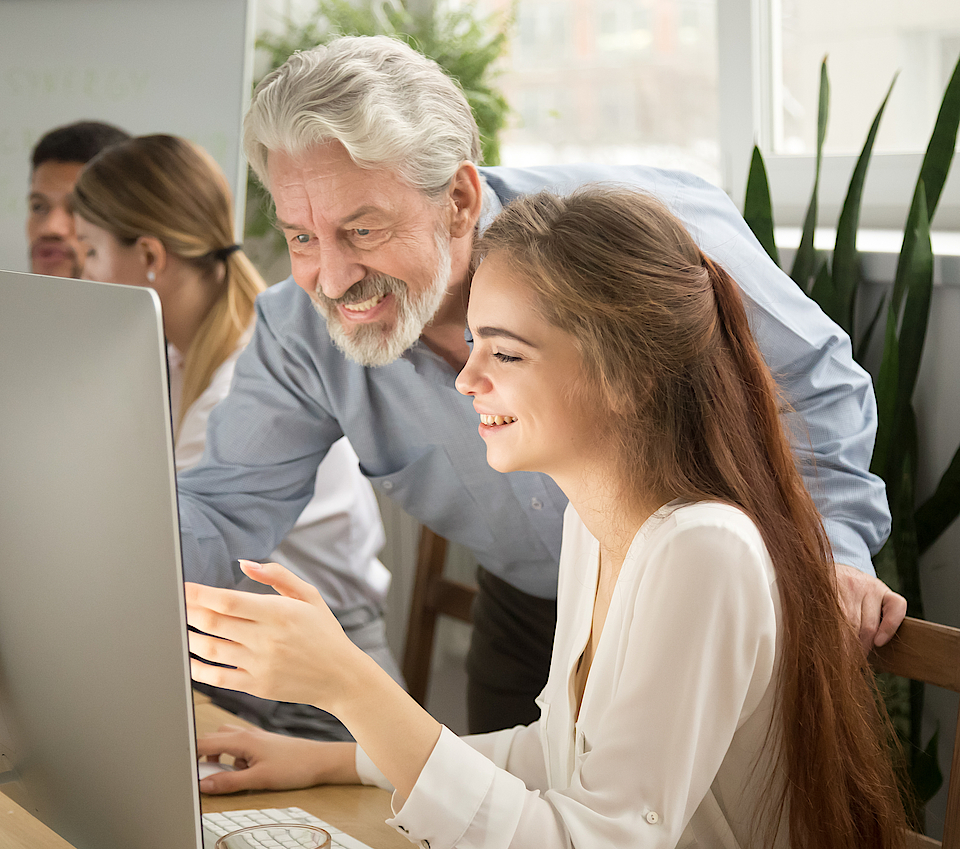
177,66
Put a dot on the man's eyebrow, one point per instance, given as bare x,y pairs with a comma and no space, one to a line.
487,332
363,210
353,216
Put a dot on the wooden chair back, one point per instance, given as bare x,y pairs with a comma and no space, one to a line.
928,652
433,596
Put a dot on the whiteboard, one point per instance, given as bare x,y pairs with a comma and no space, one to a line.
149,66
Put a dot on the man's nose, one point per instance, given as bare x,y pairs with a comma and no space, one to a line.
58,222
337,270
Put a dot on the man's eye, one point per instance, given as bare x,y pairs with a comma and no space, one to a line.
362,231
301,238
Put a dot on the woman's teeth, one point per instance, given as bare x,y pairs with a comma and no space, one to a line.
497,420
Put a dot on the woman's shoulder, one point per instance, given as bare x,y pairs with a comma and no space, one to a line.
701,523
709,514
721,533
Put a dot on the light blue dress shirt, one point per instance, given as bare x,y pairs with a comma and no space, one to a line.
294,394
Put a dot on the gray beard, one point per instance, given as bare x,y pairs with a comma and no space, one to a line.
372,344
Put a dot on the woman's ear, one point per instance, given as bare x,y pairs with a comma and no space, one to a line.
153,256
466,197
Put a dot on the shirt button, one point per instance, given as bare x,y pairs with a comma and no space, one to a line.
536,504
388,485
653,817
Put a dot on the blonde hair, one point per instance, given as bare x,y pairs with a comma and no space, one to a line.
168,188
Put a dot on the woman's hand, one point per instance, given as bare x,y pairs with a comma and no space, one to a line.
267,761
288,648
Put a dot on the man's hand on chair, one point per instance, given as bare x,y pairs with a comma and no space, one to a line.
874,610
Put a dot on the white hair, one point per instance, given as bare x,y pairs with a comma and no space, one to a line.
388,105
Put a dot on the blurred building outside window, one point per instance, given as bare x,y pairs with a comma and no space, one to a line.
693,84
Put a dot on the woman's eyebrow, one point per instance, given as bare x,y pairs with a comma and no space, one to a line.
487,332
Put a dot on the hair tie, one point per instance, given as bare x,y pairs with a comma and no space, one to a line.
223,253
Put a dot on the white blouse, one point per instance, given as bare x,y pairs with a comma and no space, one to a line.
676,708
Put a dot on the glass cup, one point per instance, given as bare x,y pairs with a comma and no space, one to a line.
276,836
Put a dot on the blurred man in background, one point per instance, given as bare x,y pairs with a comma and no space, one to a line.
56,163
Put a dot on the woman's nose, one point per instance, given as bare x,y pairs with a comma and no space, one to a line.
467,379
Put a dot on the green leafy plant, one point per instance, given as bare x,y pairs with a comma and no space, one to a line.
834,282
464,45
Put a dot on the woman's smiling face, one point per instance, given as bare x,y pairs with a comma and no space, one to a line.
527,379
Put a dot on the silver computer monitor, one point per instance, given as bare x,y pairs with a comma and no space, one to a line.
96,715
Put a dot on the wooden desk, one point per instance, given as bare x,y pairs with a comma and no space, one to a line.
359,811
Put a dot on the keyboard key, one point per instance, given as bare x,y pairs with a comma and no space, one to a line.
224,822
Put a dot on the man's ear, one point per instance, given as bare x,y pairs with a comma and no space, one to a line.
153,256
466,197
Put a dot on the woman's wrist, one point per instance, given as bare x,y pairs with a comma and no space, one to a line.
335,762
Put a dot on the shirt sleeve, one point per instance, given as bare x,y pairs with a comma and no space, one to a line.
699,652
264,442
833,423
517,750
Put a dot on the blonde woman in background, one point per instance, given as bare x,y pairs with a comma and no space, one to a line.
157,211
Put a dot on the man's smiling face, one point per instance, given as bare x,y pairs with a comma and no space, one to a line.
371,250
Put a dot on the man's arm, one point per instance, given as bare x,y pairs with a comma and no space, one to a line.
831,408
264,443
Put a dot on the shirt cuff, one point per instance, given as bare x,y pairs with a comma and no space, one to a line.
460,799
848,546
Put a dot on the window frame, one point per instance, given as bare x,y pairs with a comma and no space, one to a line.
748,81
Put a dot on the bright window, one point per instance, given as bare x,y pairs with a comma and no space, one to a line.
770,58
612,81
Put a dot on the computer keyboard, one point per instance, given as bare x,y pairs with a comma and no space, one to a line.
215,825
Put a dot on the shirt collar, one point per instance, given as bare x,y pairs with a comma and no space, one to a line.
490,207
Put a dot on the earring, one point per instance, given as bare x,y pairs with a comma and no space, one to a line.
152,276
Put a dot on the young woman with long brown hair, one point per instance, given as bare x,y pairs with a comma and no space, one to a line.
705,688
157,211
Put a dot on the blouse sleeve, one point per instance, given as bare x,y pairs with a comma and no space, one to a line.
697,647
517,750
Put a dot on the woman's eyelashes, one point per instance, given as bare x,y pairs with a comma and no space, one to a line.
505,358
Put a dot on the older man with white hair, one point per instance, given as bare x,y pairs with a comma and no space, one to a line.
370,154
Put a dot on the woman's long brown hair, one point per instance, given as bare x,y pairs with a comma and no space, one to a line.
164,186
696,415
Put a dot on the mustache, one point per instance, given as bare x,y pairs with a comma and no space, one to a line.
53,240
374,286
